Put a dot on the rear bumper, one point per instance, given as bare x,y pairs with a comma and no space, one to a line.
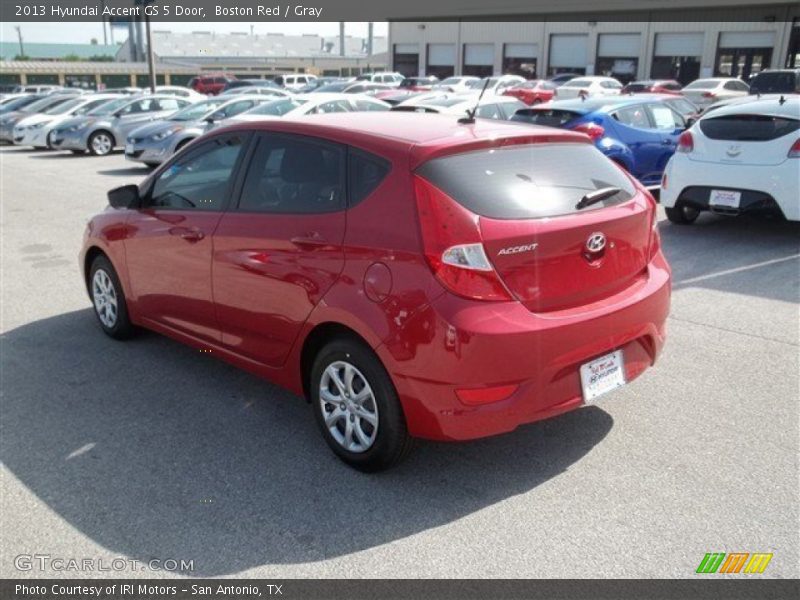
456,343
764,188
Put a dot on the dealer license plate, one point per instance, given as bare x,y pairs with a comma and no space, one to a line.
602,375
726,198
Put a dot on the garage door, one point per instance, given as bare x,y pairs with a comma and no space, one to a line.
679,44
441,54
618,44
479,54
746,39
521,50
568,50
406,49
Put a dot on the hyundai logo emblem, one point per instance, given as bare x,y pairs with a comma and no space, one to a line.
596,243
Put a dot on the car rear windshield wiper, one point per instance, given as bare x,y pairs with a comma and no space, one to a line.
597,196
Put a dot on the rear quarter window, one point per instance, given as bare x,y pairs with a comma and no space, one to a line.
548,117
527,182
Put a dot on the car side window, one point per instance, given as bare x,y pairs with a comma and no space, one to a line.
332,107
200,180
665,118
366,105
633,116
294,175
167,104
233,109
489,111
365,172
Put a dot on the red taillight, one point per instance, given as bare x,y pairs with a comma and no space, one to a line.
453,246
709,95
794,151
476,396
593,130
685,142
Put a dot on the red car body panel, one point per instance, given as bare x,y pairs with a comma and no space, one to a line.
254,288
530,95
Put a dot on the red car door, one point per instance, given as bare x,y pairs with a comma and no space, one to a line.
169,244
279,250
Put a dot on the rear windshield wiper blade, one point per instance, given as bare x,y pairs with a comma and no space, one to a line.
597,196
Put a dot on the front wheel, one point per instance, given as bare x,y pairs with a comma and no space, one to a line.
108,298
356,407
101,143
682,215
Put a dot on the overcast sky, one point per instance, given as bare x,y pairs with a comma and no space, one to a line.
82,33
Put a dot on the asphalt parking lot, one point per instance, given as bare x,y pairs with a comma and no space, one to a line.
148,449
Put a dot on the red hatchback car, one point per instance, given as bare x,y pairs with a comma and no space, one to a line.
211,83
411,275
533,91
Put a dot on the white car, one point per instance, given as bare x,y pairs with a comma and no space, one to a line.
180,92
309,104
738,159
455,84
295,82
588,87
490,106
496,85
35,130
390,79
257,90
704,92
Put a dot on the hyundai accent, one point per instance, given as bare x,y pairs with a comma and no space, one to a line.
413,276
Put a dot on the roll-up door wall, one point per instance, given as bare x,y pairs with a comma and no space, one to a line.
441,60
478,60
568,52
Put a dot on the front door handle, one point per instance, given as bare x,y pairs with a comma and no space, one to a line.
309,241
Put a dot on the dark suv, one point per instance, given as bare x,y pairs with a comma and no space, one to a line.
779,81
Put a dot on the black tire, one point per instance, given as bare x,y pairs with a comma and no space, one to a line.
78,151
151,165
182,144
682,214
391,440
121,328
95,148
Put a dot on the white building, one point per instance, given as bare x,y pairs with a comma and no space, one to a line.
695,42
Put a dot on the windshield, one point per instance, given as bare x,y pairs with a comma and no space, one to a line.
17,103
775,83
109,107
451,81
702,84
44,103
478,84
60,109
277,108
197,111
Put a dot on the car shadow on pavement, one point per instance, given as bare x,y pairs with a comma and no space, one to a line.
747,255
154,450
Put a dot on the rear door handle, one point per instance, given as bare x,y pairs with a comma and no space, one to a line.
193,235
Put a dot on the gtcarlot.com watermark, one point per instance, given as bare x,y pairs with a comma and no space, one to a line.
46,562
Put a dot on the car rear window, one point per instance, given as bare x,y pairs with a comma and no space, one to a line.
527,182
638,87
775,83
750,128
545,116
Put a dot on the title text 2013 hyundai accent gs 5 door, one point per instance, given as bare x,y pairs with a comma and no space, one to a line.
412,276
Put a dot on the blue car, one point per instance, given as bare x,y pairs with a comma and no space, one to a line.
638,132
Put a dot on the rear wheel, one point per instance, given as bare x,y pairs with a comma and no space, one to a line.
682,214
356,407
101,143
108,298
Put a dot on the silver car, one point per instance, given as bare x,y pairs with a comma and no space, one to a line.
155,142
10,119
106,128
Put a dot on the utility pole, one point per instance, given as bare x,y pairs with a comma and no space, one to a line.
105,35
19,35
370,36
151,63
341,38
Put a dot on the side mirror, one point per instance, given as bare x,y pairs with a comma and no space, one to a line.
126,196
690,121
209,119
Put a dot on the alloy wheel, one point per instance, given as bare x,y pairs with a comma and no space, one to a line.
104,296
101,143
348,407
